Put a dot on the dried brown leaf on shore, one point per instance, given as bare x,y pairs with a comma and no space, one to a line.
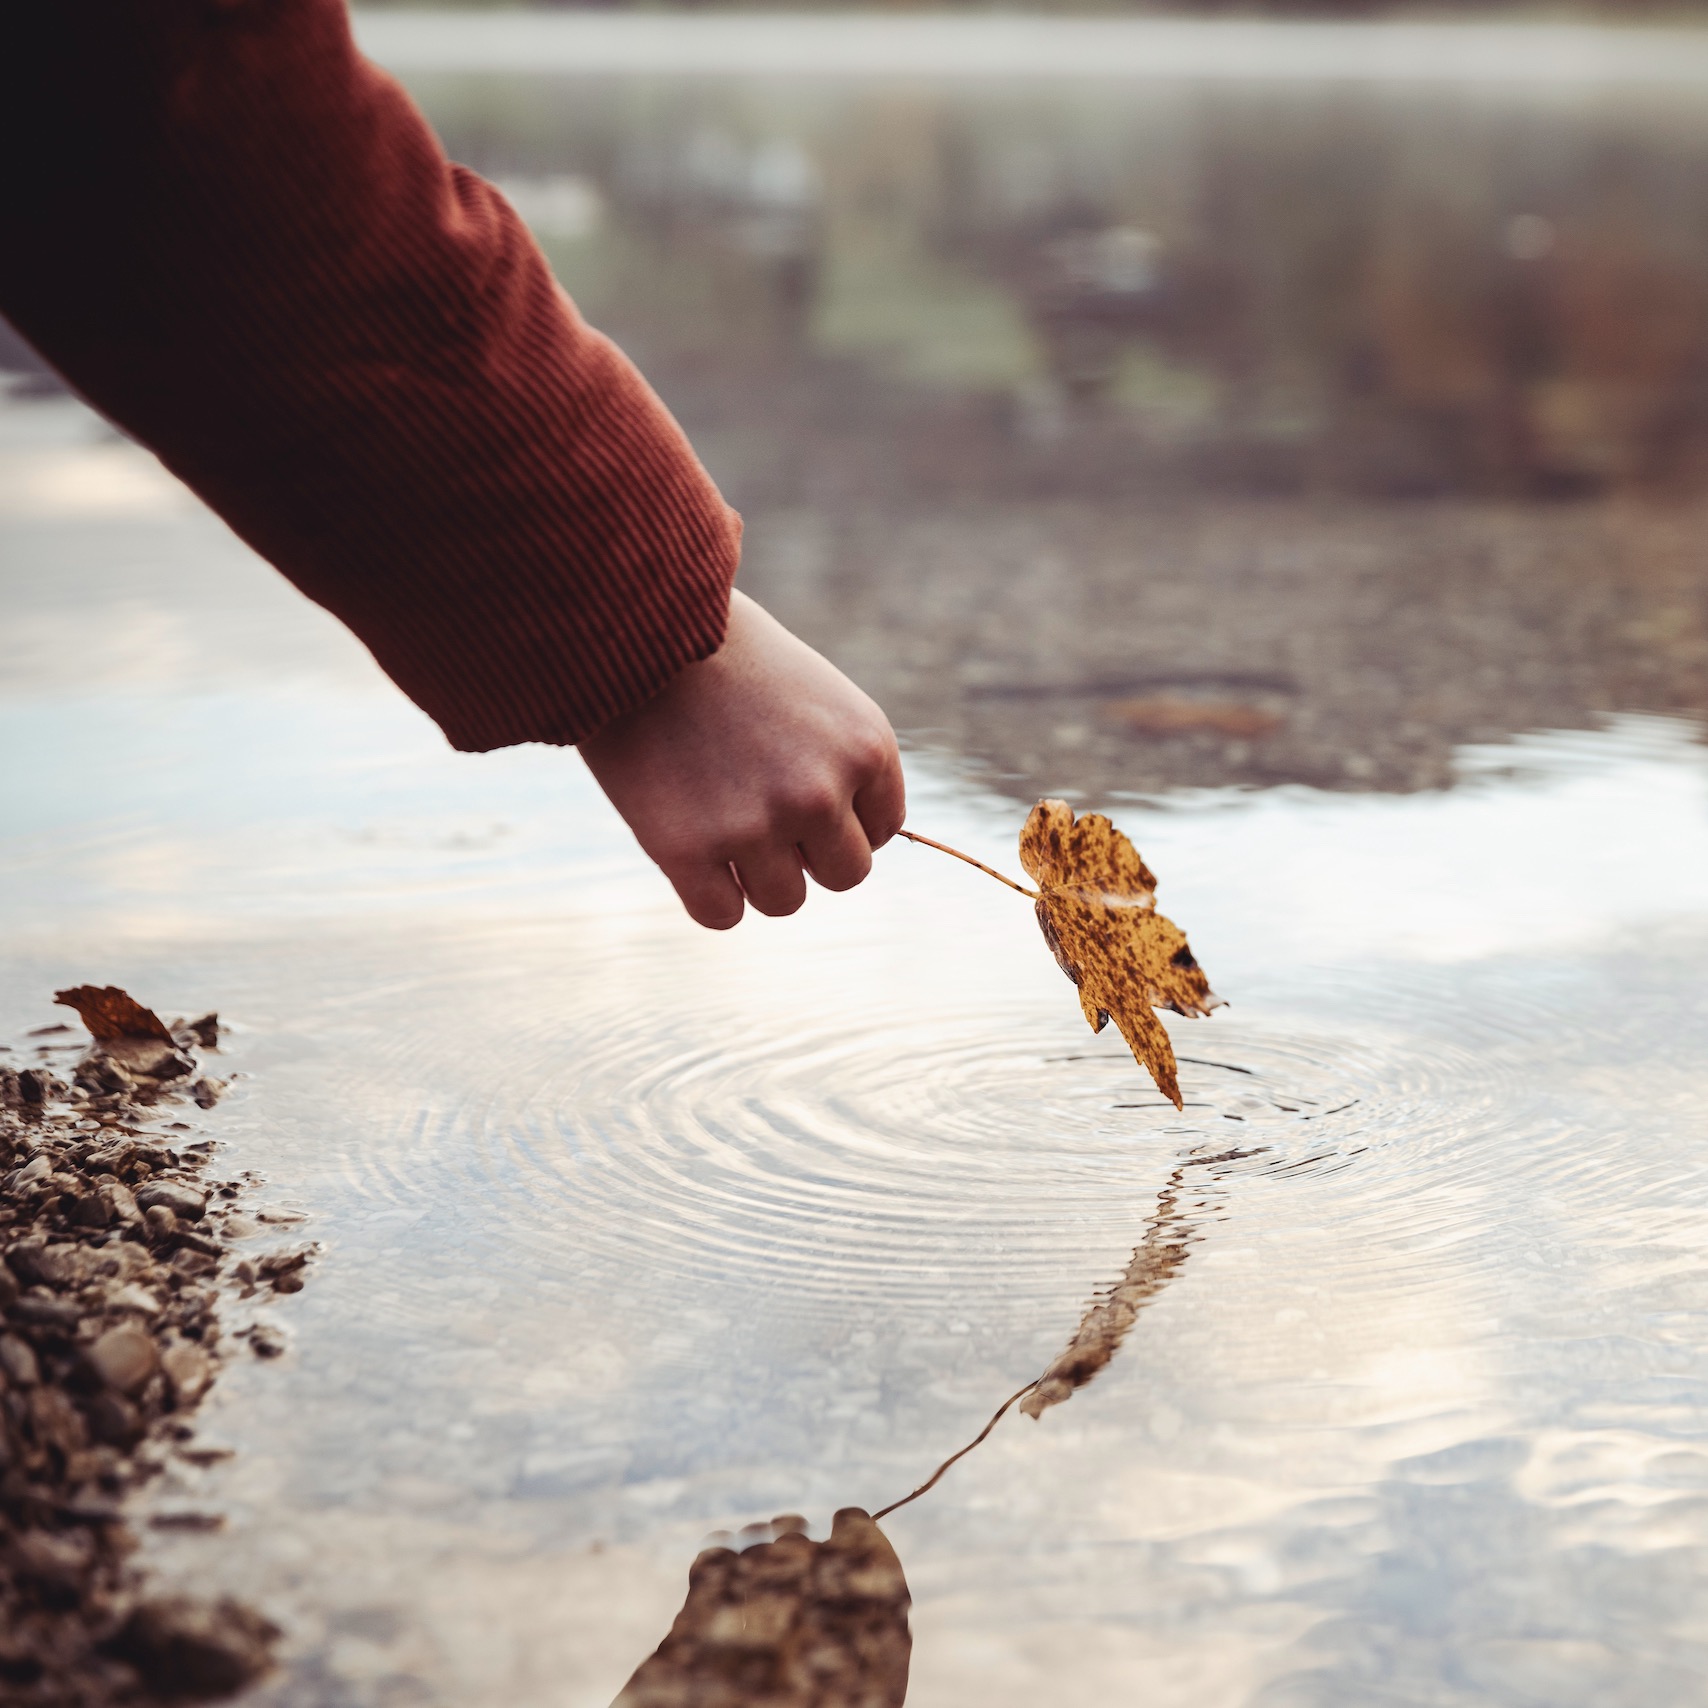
131,1042
112,1014
1097,909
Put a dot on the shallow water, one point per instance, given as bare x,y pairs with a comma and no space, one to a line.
633,1233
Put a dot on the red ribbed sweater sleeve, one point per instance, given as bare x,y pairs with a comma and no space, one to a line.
242,242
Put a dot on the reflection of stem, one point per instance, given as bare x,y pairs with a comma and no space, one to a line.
936,1476
1157,1259
944,848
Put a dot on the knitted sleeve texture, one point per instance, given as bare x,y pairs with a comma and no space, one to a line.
243,244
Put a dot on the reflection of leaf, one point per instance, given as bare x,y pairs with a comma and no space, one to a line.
1097,907
112,1014
790,1623
1156,1261
1098,1338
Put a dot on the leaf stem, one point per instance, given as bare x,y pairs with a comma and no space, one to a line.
944,848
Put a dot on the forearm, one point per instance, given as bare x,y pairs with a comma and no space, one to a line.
243,244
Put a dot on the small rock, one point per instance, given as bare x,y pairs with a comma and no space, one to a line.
113,1419
59,1265
58,1423
45,1311
8,1287
186,1520
94,1211
159,1223
188,1372
18,1359
207,1092
53,1560
128,1296
150,1058
206,1453
37,1168
98,1072
283,1262
266,1342
196,1649
182,1200
121,1201
123,1358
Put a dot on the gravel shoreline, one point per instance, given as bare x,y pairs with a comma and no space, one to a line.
117,1240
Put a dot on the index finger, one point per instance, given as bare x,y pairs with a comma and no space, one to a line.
880,804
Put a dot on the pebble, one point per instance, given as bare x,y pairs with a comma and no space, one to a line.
123,1358
185,1201
128,1296
188,1372
186,1648
266,1342
114,1420
18,1359
37,1168
44,1311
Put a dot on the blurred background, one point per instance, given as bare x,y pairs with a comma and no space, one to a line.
1133,402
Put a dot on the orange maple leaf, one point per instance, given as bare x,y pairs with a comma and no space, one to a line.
1096,903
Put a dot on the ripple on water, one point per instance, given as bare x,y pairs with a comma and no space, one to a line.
867,1157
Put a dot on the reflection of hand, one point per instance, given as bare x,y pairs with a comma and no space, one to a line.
763,757
787,1624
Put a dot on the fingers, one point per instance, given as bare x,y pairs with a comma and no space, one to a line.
881,801
838,852
710,894
772,878
833,843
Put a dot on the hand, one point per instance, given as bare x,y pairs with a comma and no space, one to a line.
752,768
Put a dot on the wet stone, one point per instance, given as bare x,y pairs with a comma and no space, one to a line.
37,1168
113,1419
266,1342
186,1202
18,1360
195,1649
123,1358
188,1372
129,1296
43,1310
